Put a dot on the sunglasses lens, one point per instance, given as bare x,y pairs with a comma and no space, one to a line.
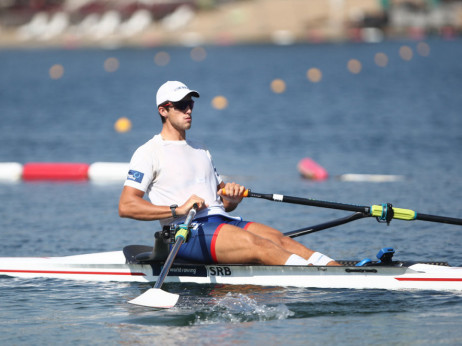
183,105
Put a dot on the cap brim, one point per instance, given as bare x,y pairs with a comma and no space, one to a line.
181,95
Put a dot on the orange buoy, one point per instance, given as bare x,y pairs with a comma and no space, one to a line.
55,171
309,169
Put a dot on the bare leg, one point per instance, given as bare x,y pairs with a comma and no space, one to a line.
281,240
236,245
278,238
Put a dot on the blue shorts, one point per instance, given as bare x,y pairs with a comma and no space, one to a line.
200,246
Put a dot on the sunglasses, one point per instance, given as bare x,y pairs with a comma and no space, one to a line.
181,105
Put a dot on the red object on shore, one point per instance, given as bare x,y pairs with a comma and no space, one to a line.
311,170
55,171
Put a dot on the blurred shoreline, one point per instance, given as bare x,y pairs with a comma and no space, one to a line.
111,24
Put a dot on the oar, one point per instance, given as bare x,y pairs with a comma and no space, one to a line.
383,212
325,225
156,297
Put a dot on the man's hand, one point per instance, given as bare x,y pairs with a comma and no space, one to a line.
232,193
187,206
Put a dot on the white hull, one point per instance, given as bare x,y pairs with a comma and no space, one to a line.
112,266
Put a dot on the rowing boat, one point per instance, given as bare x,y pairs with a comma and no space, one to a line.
139,263
120,266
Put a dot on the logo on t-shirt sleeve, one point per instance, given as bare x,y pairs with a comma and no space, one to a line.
135,176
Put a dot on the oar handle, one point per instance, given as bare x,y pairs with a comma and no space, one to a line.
246,193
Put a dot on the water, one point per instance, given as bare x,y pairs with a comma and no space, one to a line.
402,119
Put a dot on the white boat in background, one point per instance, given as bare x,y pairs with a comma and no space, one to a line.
121,266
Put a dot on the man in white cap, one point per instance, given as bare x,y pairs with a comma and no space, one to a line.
177,173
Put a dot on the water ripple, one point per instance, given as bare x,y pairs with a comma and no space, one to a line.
238,308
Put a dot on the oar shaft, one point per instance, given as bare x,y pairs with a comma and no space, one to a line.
178,242
326,225
307,201
168,263
374,210
436,218
409,215
191,215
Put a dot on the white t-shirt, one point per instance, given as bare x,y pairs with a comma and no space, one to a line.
171,171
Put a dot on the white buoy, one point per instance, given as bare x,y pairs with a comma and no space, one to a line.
373,178
108,172
10,171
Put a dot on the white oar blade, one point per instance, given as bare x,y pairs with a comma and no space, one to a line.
156,298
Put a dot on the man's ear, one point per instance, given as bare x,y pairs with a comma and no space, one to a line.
163,111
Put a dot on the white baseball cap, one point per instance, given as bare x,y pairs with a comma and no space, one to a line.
173,91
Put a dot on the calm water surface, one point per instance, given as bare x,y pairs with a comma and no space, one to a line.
402,119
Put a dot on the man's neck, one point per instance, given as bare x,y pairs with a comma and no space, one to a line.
168,134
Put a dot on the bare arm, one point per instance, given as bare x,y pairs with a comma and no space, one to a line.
134,206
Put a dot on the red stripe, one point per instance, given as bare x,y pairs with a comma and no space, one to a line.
67,272
248,224
429,279
214,240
